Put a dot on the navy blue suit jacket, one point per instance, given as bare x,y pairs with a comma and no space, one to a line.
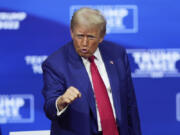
64,68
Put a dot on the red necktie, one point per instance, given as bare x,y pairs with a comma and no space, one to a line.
107,119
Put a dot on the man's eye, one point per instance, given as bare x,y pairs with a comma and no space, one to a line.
91,37
80,36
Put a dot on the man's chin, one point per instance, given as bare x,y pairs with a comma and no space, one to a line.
86,55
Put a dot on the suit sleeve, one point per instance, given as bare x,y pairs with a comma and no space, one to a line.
133,116
54,86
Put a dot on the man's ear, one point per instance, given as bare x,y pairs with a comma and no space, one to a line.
72,34
101,39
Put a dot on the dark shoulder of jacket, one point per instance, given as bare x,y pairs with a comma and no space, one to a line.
114,50
58,55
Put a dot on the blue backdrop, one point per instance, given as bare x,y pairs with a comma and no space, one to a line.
31,30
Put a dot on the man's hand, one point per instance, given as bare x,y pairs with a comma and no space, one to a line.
68,97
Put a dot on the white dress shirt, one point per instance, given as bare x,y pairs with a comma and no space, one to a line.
102,70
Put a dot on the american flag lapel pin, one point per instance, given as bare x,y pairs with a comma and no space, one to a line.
111,62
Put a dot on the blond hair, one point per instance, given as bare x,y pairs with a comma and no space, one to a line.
89,17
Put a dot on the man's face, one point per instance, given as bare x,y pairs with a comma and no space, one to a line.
86,40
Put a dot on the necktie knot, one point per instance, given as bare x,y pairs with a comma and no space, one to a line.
91,59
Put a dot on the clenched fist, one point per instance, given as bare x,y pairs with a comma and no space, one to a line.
68,97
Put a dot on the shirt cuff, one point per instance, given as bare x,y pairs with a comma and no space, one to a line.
58,111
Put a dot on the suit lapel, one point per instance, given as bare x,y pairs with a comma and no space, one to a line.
111,70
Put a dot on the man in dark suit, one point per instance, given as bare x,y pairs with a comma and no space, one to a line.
88,88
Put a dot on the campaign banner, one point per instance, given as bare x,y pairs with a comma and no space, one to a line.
16,108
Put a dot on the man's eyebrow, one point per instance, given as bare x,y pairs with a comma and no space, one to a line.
91,35
79,34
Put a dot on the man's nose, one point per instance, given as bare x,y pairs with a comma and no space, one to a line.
85,41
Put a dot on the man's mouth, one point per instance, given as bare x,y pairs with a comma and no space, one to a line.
84,50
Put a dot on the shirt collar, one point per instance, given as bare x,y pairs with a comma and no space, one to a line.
97,54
